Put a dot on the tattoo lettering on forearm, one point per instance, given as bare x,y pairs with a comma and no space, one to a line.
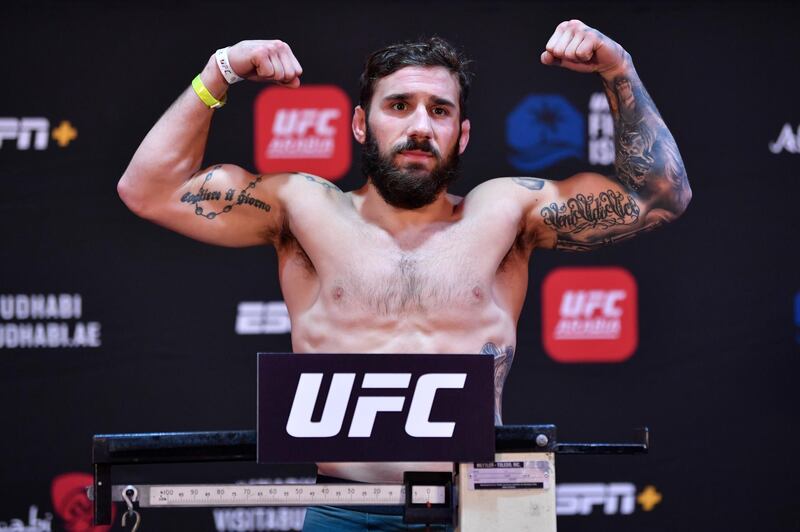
582,212
503,357
529,182
242,198
645,149
326,184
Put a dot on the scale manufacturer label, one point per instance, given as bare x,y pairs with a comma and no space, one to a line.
509,475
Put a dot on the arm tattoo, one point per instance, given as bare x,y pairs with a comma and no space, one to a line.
529,182
327,184
503,357
646,152
648,166
565,243
582,212
244,197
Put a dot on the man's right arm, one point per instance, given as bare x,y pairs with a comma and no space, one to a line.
222,204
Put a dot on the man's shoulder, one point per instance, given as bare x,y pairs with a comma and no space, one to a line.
509,187
303,178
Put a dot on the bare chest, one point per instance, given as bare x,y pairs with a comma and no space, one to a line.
364,275
387,282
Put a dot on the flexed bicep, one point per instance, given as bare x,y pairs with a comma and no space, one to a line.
223,205
588,211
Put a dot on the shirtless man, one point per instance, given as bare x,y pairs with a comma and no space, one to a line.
400,265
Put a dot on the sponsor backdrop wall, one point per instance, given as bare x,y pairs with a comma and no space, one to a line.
111,324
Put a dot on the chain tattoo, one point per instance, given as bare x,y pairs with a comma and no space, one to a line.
243,198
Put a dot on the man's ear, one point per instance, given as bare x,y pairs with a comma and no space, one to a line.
464,139
360,125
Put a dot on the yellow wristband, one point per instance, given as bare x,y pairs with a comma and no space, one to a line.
204,95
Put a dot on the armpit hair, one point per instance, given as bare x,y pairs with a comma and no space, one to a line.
285,242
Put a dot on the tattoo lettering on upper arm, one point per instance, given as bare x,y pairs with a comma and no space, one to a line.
244,197
588,211
328,185
503,357
529,182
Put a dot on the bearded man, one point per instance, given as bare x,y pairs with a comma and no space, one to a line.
400,265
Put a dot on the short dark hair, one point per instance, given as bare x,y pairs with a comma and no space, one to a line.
433,51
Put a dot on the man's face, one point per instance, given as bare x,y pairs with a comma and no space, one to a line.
413,135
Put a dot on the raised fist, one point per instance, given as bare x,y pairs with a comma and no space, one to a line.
576,46
265,61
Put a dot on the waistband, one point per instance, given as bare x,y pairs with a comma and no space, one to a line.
380,510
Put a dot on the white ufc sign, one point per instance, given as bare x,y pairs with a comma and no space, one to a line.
585,303
417,424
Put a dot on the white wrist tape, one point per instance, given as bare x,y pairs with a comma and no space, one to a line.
225,66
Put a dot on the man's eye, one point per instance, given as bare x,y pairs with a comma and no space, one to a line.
441,111
399,106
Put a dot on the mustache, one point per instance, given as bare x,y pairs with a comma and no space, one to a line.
419,145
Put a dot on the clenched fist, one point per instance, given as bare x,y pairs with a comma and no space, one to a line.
265,61
576,46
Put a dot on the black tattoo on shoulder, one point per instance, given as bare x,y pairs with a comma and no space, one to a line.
531,183
314,179
244,197
582,212
503,357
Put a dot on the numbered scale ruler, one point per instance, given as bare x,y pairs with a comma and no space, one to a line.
199,495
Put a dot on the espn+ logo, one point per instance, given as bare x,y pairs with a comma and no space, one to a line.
367,407
304,129
590,314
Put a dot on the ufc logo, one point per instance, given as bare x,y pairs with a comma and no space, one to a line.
417,425
23,130
584,303
300,121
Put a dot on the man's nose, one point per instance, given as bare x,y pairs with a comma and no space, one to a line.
420,125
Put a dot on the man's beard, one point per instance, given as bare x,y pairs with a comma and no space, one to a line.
412,186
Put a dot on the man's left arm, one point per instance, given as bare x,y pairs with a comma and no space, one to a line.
590,210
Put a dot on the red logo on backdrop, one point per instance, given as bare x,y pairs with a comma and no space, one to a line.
305,129
590,314
71,503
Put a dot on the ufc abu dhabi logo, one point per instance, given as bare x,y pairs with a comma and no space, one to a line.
589,314
306,128
417,423
303,133
356,407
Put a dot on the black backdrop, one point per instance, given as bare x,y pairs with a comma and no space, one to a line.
715,368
